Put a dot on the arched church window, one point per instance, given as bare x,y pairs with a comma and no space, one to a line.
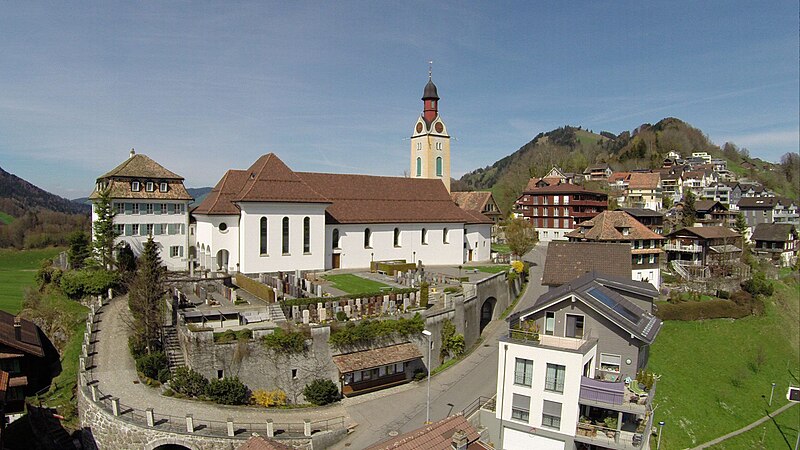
307,235
263,236
397,237
367,238
285,246
439,166
424,238
335,238
419,166
445,236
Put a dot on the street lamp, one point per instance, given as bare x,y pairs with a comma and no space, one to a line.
660,428
428,404
771,394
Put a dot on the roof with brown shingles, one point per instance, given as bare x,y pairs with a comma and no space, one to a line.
270,180
606,227
707,232
436,436
141,166
29,335
367,359
564,188
567,261
640,180
262,443
476,200
220,199
775,232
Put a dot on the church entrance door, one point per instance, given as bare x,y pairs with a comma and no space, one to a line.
336,260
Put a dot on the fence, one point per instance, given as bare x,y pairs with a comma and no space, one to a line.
188,424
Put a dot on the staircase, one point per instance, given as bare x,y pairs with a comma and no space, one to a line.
680,270
172,348
276,312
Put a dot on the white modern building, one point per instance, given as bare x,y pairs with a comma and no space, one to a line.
149,200
567,369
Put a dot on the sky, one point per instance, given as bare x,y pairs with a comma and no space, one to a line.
203,87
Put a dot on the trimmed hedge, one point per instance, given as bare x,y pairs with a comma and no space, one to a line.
709,309
255,287
367,331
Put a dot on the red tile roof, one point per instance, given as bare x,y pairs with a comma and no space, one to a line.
436,436
644,180
367,359
476,200
567,261
270,180
220,199
606,227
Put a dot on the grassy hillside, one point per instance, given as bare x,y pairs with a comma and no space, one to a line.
5,218
17,271
716,375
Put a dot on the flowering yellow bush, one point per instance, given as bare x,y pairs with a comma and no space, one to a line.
518,266
262,397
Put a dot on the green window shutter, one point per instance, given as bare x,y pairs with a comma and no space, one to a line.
171,208
128,208
128,228
180,251
157,208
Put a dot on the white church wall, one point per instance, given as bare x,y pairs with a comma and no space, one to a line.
478,238
210,239
252,261
353,254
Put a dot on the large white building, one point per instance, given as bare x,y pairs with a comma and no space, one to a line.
149,200
269,218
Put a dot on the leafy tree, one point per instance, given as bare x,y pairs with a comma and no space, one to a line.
667,202
188,382
77,284
146,297
228,391
126,260
321,392
520,236
689,210
103,227
79,249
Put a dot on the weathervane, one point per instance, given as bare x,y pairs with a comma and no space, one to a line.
430,69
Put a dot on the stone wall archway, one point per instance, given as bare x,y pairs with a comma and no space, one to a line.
170,443
487,312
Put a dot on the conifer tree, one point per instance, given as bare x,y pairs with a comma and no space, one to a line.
146,298
79,249
104,232
689,211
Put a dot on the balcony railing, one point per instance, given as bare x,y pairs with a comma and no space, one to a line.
683,248
608,438
544,340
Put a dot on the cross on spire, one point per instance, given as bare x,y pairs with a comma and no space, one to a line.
430,70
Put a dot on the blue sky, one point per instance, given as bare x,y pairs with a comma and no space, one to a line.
335,86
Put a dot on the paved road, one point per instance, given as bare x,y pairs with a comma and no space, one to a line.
451,391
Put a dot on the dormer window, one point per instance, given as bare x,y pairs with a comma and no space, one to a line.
149,186
135,186
163,187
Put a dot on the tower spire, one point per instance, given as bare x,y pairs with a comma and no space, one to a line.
430,70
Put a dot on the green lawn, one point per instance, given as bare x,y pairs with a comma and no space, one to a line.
5,218
716,374
353,284
779,433
490,269
17,272
501,248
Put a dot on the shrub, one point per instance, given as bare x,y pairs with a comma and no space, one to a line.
285,342
518,266
230,336
457,345
77,284
321,391
341,316
759,285
164,375
419,375
188,382
151,364
424,294
723,294
368,331
266,398
228,391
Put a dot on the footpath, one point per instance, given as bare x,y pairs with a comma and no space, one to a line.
745,429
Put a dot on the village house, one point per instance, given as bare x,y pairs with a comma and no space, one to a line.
556,210
26,364
644,191
621,227
702,252
712,213
148,200
480,202
648,217
777,242
567,369
757,210
598,172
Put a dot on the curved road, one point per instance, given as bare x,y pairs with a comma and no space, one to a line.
399,409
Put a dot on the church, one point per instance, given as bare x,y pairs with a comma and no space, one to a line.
269,218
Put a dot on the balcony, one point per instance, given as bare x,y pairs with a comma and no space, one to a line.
615,395
546,341
588,203
609,438
694,248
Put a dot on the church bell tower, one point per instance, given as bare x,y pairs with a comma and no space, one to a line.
430,143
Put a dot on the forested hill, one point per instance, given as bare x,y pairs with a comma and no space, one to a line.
18,196
31,217
573,149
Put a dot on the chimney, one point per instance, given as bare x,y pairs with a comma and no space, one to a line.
17,328
133,152
459,441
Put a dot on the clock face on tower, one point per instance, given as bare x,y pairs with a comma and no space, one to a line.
419,127
439,127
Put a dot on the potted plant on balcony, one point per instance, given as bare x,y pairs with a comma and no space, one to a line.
526,330
611,425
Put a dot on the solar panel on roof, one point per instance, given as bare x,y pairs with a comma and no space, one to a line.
614,305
